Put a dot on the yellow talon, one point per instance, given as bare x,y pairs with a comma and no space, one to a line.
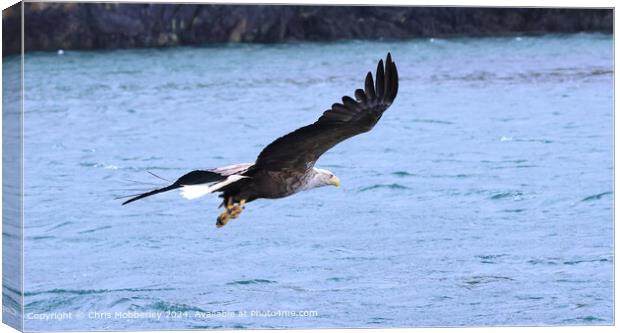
235,212
232,212
222,219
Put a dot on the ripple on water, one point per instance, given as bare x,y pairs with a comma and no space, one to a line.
252,281
476,281
54,303
490,259
508,194
169,306
575,262
519,210
403,174
545,261
60,225
432,121
529,298
40,237
335,279
584,319
95,229
596,196
393,186
92,291
377,320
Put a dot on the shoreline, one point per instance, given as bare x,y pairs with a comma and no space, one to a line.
96,26
242,44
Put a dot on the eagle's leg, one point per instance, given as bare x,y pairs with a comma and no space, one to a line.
236,210
229,203
232,212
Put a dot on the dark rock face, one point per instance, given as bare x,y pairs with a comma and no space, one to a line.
11,30
52,26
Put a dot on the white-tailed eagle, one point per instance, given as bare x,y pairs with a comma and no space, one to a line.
286,166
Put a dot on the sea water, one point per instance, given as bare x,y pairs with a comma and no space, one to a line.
482,197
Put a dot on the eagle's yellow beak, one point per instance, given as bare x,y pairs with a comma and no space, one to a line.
334,181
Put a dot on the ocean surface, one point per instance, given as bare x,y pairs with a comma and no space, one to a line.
484,196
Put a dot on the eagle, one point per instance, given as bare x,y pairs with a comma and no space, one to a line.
287,165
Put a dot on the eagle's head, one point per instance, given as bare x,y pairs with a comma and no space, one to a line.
324,177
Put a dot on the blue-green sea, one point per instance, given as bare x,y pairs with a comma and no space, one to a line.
484,196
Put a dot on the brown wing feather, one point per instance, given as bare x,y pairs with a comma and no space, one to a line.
300,149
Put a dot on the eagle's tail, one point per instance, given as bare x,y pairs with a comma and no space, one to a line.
191,192
197,183
148,194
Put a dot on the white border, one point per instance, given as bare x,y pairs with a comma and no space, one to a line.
476,3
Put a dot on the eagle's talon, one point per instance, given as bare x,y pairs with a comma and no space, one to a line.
235,212
222,219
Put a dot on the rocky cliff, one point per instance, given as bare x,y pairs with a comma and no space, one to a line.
52,26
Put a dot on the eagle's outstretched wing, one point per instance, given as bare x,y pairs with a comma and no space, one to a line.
300,149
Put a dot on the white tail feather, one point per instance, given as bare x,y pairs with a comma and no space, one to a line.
191,192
